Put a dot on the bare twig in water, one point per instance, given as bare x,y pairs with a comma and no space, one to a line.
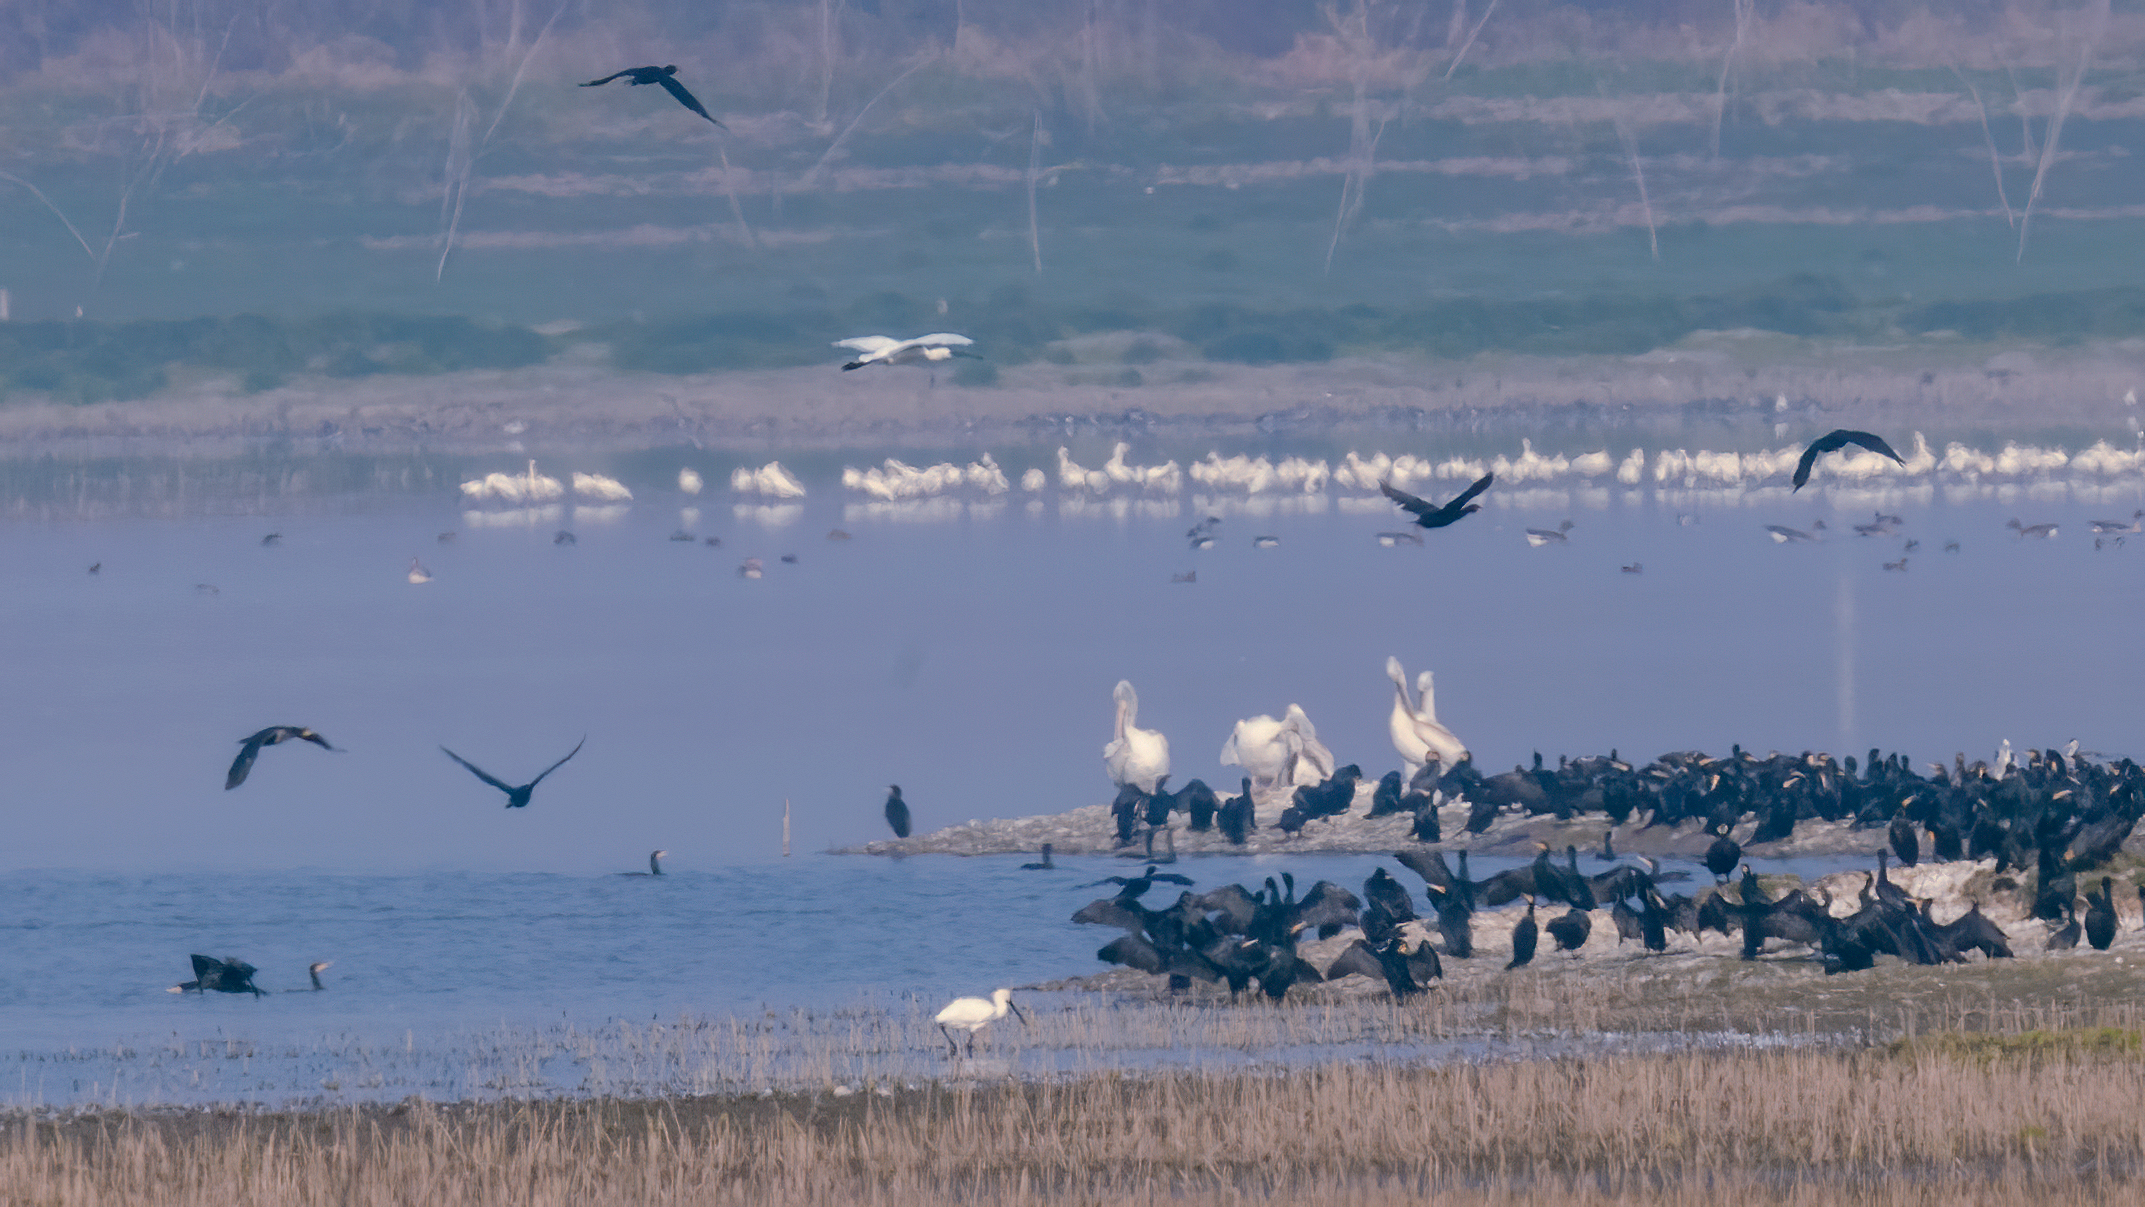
1472,34
1035,161
1743,14
2048,144
1995,160
1638,174
40,195
812,177
459,162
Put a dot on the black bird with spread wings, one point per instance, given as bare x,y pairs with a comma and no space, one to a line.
1834,441
667,77
516,798
1133,886
1431,515
251,749
212,975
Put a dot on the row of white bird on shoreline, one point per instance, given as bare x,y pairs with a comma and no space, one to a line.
898,481
1284,752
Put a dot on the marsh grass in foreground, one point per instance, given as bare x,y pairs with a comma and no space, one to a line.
1985,1117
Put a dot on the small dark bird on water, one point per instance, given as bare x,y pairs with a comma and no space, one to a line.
655,865
1044,865
667,77
1434,515
221,976
516,798
1835,440
250,749
273,538
313,970
563,537
897,811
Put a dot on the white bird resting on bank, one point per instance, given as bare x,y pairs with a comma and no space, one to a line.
1417,735
1286,752
1139,757
884,350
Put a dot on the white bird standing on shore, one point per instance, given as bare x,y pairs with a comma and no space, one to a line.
1272,752
972,1014
1136,756
1417,735
884,350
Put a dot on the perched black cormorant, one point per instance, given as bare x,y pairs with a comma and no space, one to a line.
1524,937
2100,915
251,749
1905,843
897,811
667,77
1570,929
516,798
1722,858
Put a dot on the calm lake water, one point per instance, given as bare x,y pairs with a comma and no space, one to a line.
963,648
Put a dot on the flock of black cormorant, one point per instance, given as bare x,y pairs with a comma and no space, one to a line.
2050,813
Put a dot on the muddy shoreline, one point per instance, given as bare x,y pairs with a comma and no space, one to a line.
586,405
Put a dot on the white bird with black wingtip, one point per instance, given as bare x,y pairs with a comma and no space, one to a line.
924,349
972,1014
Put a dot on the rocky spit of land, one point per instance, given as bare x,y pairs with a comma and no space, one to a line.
1090,830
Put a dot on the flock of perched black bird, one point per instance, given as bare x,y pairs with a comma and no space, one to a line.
2055,814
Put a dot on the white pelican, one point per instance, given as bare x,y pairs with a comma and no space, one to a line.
1136,756
972,1014
883,350
1274,752
418,574
596,486
689,481
1417,735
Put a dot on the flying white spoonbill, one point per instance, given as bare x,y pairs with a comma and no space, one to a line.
1417,735
884,350
972,1014
1136,756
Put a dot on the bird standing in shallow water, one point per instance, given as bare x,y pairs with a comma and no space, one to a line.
516,798
667,77
897,811
972,1014
251,749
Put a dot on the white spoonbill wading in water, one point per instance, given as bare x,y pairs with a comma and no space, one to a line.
1417,735
972,1014
885,350
1139,757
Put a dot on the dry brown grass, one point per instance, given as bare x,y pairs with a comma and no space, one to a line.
1981,1118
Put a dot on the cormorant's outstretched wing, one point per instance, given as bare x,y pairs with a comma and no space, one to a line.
1420,507
481,774
607,79
1171,877
242,766
555,766
204,965
1117,880
1358,959
687,99
1834,440
314,738
1464,497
